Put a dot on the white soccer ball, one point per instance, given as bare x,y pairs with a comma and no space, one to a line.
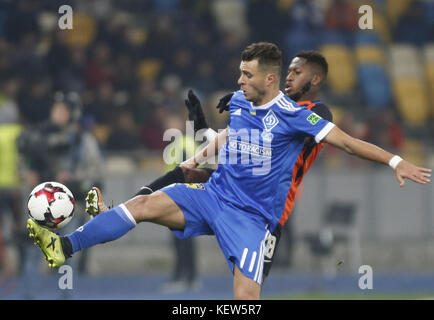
51,205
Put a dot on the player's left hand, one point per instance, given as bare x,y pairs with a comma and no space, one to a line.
195,112
408,170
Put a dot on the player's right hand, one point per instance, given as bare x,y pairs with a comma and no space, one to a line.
224,102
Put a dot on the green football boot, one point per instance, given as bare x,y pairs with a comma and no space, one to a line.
48,242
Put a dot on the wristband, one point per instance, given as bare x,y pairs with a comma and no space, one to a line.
393,163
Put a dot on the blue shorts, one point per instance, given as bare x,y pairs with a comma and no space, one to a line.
242,236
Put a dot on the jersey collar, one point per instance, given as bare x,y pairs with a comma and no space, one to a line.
269,103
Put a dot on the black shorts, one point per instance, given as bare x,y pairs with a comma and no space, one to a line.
270,249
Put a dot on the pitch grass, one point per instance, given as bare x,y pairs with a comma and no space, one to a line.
354,296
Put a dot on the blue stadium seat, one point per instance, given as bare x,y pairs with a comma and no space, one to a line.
336,37
366,38
299,39
374,84
429,11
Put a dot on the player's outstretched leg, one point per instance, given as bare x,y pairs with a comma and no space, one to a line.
158,208
49,242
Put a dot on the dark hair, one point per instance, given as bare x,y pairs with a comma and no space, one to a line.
315,57
268,54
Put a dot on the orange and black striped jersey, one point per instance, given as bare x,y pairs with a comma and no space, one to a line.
305,159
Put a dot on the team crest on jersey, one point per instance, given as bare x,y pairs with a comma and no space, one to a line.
195,186
270,121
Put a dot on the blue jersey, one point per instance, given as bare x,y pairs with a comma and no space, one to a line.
256,163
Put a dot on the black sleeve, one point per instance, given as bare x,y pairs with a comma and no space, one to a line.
323,111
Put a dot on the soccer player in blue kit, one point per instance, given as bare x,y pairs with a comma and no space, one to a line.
242,202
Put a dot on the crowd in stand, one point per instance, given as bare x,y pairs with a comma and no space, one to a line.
132,61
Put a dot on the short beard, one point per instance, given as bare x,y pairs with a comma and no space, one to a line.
260,94
306,87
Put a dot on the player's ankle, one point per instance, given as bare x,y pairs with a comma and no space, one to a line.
66,247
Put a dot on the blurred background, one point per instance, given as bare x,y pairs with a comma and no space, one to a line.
90,105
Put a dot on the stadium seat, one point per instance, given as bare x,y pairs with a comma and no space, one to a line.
429,11
369,54
374,84
83,32
396,8
284,5
412,100
339,226
149,68
297,40
366,37
342,73
405,61
101,133
382,27
336,38
429,71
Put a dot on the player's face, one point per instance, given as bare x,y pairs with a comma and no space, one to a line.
252,81
298,75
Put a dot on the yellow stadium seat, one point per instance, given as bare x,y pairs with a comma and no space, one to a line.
382,27
83,32
369,54
429,72
284,5
412,100
342,74
101,133
149,68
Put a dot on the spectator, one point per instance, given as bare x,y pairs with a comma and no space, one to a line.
341,16
124,136
102,109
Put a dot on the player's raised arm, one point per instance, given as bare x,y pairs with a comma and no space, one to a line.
362,149
211,150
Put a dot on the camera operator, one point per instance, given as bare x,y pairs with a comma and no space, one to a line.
63,149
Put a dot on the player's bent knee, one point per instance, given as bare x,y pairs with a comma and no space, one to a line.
137,207
144,208
157,208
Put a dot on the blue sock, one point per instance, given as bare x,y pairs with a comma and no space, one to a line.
106,226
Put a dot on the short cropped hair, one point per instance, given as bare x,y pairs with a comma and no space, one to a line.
268,55
315,57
